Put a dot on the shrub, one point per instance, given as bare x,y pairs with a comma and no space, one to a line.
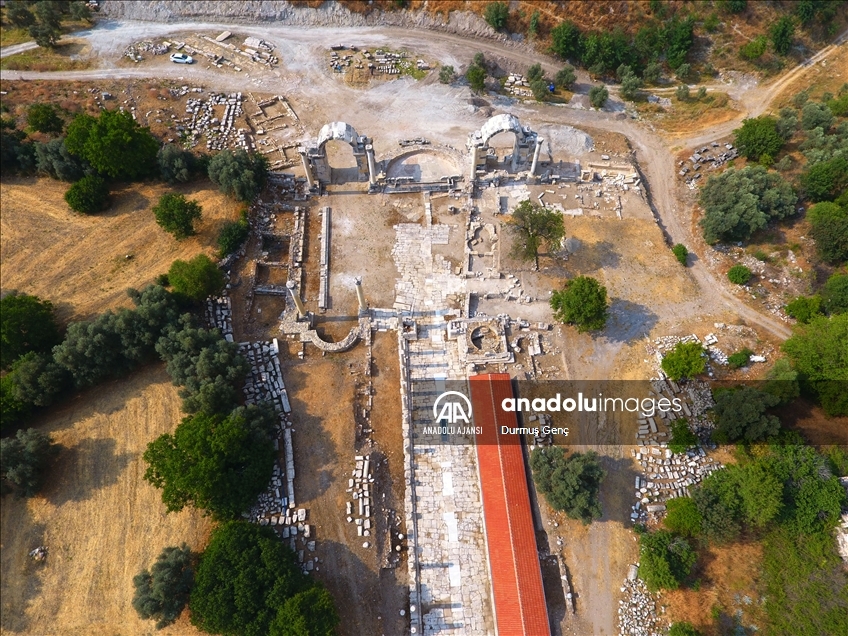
245,579
652,73
682,437
570,484
684,628
162,592
19,15
682,93
175,164
835,294
803,308
539,88
476,76
664,560
598,96
686,360
683,72
44,119
23,460
758,137
233,235
196,279
27,323
567,41
781,33
496,14
816,116
446,74
88,195
114,144
566,77
753,49
825,180
630,86
739,359
582,302
533,226
739,275
535,72
176,214
683,517
680,253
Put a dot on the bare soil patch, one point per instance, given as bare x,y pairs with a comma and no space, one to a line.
80,262
100,520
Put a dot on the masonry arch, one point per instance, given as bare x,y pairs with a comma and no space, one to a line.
317,163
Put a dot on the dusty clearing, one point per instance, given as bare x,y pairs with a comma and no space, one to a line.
79,262
100,520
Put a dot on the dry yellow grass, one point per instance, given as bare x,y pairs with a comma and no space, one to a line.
100,520
79,262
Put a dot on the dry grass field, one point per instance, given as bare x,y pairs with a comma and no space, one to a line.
80,262
100,520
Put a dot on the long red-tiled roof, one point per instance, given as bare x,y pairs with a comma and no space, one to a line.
519,597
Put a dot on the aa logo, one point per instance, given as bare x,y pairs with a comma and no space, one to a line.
452,407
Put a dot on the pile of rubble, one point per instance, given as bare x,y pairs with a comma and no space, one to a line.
219,314
39,553
264,383
637,611
517,84
220,133
359,509
134,51
706,156
666,475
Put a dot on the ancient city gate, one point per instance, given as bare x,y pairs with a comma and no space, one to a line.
314,158
525,150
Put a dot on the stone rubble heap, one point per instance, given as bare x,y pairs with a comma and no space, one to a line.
708,156
517,84
637,611
220,133
359,510
219,314
134,51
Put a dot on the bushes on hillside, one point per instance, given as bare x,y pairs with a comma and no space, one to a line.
27,323
176,214
23,459
829,223
569,483
238,174
686,360
89,195
196,279
664,560
582,302
758,137
740,414
233,235
162,592
53,159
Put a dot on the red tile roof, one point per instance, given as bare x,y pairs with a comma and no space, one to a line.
519,597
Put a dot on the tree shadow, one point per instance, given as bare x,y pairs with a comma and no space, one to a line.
83,469
126,198
22,576
617,487
628,321
594,256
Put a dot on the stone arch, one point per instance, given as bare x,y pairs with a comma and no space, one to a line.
525,150
314,158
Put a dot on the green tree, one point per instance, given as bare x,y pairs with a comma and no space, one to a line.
566,77
12,409
680,253
535,72
781,33
176,214
826,180
787,123
717,499
683,517
835,294
80,11
88,195
738,203
682,93
239,174
233,235
739,275
652,73
215,463
48,13
162,592
815,115
44,119
757,137
819,354
496,14
686,360
533,226
23,460
175,164
598,96
782,381
683,629
114,144
447,74
630,84
243,581
45,35
754,49
740,414
52,158
683,72
533,27
476,76
196,279
581,302
27,323
569,483
682,437
567,41
35,380
540,91
308,613
761,491
664,560
18,14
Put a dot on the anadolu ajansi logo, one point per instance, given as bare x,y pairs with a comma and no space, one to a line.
455,407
